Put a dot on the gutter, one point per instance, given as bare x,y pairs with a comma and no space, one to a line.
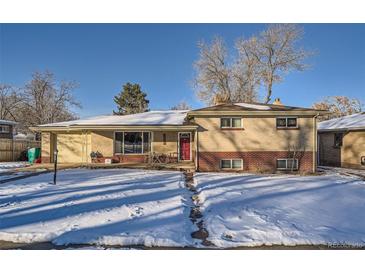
118,127
341,129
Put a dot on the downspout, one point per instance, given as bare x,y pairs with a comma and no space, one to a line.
86,147
83,148
197,150
315,143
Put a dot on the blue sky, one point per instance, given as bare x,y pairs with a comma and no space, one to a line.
102,57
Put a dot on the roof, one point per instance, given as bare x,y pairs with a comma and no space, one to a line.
7,122
253,107
167,117
354,121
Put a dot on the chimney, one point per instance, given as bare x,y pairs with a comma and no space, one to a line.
277,102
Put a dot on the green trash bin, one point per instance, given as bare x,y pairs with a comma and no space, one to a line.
33,154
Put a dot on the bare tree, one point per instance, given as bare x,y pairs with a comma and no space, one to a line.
263,59
338,106
216,77
277,53
181,106
10,102
213,72
246,78
47,102
296,149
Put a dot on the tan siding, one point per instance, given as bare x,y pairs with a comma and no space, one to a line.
88,147
353,148
171,142
73,147
258,134
103,141
46,145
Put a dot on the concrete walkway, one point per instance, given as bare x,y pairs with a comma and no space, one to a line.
343,171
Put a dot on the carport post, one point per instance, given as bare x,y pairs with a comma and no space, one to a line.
55,153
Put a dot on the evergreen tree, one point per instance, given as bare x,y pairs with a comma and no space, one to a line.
131,100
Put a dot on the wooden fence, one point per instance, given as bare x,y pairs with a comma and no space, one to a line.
10,150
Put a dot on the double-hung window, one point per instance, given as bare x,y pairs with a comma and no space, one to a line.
132,142
231,122
286,122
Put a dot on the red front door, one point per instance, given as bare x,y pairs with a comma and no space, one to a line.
184,146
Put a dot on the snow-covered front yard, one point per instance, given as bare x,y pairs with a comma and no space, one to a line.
110,207
10,166
252,210
138,207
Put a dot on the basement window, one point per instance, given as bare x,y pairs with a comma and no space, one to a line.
338,140
231,164
286,122
231,122
287,164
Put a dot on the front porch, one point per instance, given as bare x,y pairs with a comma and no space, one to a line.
147,147
144,147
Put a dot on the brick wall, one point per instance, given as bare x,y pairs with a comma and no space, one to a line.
255,161
123,159
46,159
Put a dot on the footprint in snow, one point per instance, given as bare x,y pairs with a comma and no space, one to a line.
137,211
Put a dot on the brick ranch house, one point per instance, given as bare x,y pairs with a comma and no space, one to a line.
342,141
241,136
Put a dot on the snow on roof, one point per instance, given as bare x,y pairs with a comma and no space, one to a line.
254,106
6,122
158,117
346,122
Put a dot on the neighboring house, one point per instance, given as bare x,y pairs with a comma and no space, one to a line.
6,129
342,141
241,136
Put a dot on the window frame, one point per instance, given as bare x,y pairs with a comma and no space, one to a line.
231,164
334,140
142,133
286,122
2,127
286,164
230,122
